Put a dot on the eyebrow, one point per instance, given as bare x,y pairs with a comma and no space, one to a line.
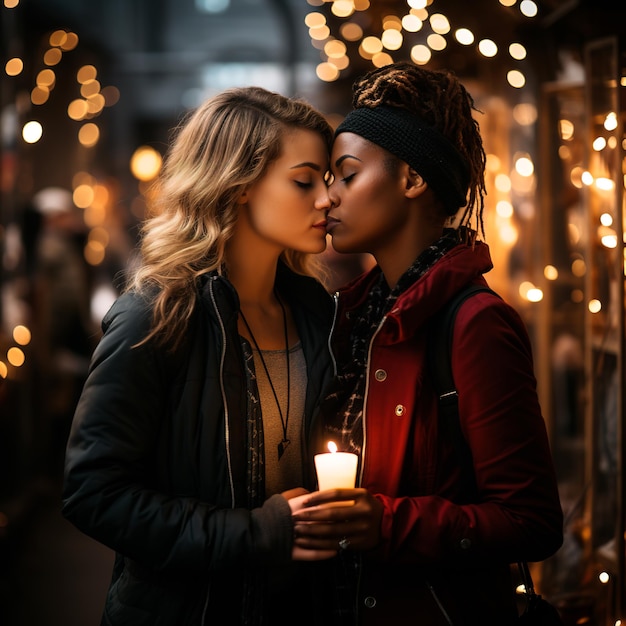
313,166
343,157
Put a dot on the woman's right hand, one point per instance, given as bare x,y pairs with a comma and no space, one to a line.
298,503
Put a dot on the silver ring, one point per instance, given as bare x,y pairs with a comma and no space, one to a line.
344,544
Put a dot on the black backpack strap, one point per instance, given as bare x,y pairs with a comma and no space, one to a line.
440,350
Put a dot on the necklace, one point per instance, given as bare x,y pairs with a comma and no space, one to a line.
282,446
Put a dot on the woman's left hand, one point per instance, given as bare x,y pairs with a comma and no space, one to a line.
346,518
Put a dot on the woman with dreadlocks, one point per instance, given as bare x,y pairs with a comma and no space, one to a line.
431,535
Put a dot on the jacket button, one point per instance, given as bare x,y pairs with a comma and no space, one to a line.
466,544
400,410
370,602
380,375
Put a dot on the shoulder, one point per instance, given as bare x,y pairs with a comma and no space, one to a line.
485,320
131,310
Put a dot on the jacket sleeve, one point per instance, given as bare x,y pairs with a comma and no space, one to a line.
110,491
516,514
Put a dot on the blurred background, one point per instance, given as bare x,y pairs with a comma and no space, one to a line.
89,93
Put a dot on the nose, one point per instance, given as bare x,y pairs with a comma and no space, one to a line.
332,196
323,202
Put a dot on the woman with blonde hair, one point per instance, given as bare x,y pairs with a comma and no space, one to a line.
190,437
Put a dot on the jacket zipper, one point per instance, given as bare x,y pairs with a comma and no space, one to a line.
226,420
365,394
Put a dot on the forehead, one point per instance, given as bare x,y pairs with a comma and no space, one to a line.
298,141
355,145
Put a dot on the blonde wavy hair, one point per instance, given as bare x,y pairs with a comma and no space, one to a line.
219,150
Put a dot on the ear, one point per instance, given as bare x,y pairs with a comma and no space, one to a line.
415,185
243,198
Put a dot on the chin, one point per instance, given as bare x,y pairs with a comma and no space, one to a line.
343,247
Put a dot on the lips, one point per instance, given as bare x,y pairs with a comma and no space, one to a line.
321,225
331,222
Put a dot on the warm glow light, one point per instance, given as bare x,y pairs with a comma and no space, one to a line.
15,357
606,184
586,178
94,252
579,268
83,195
332,446
146,162
86,73
517,51
524,166
516,79
88,135
412,23
372,45
436,42
335,49
528,8
39,95
525,113
77,109
488,48
351,31
380,59
594,306
439,23
14,66
52,56
342,8
610,122
566,129
46,78
32,132
464,36
599,143
4,370
21,335
70,42
392,39
319,33
503,183
606,219
57,38
420,54
550,272
504,209
315,19
327,72
11,4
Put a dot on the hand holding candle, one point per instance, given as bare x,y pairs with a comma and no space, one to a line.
335,469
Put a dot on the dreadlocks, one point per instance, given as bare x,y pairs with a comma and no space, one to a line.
438,98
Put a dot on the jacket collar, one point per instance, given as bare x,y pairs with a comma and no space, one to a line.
424,298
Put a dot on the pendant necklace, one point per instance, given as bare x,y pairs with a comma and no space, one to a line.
282,446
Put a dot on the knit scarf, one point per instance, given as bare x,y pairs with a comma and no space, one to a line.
343,405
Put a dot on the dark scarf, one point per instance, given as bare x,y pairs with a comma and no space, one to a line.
343,406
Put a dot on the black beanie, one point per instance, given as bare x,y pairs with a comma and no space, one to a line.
417,143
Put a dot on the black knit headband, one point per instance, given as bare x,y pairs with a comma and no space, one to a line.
417,143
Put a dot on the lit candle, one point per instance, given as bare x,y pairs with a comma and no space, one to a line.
335,469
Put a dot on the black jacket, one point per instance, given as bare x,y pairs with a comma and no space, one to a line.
157,459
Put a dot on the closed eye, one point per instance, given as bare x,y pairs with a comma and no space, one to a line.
348,178
303,185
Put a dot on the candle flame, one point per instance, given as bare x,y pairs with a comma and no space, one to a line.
332,446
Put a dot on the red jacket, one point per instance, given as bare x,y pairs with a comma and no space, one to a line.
435,533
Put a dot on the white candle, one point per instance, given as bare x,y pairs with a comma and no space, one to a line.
335,469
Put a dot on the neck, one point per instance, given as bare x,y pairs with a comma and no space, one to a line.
253,277
413,239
